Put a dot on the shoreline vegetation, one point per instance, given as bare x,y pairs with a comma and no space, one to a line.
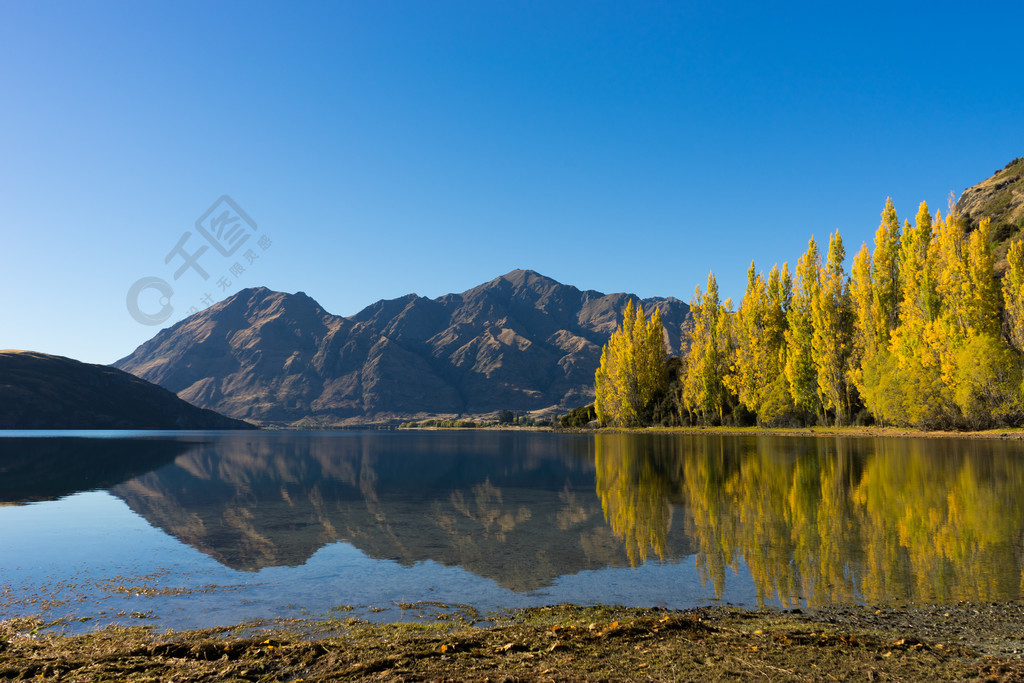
915,642
1016,433
1010,433
926,330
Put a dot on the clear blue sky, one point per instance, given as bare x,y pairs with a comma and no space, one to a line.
392,147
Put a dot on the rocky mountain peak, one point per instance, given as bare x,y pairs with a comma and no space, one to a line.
521,341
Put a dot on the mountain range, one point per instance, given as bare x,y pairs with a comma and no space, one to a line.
520,342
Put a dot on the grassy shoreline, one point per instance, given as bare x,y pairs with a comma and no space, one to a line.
1011,434
952,642
1016,433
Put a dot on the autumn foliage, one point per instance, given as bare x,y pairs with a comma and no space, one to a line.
632,371
924,331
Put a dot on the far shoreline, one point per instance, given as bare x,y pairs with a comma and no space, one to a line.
1008,434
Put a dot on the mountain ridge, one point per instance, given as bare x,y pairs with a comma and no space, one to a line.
521,341
43,391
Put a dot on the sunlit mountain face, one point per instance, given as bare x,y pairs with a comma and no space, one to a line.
520,342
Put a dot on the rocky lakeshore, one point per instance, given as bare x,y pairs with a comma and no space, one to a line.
963,641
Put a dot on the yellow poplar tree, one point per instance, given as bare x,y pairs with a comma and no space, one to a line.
632,369
914,357
778,293
749,376
917,302
959,264
704,391
880,381
759,333
987,377
979,373
777,402
885,275
988,383
800,369
985,303
832,322
863,341
1013,296
727,350
947,259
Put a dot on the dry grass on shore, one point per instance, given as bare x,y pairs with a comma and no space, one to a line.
553,643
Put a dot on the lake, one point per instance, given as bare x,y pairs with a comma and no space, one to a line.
195,529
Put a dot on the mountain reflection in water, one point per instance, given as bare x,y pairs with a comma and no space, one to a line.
517,508
785,520
40,469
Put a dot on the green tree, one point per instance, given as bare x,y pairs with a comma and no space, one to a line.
632,370
578,417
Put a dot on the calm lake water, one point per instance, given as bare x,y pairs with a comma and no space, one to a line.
201,528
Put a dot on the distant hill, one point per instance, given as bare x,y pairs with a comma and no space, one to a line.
521,342
1000,198
40,391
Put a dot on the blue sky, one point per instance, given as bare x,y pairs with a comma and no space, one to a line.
382,148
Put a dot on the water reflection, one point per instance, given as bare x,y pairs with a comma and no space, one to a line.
825,519
38,469
777,520
517,508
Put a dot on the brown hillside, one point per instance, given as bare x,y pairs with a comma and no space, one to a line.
40,391
520,342
1000,198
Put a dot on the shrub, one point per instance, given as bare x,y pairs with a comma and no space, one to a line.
578,418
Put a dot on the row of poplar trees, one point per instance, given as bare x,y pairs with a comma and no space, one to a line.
921,332
632,375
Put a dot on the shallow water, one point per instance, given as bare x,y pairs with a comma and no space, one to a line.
202,528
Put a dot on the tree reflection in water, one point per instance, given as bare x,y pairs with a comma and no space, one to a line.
827,519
